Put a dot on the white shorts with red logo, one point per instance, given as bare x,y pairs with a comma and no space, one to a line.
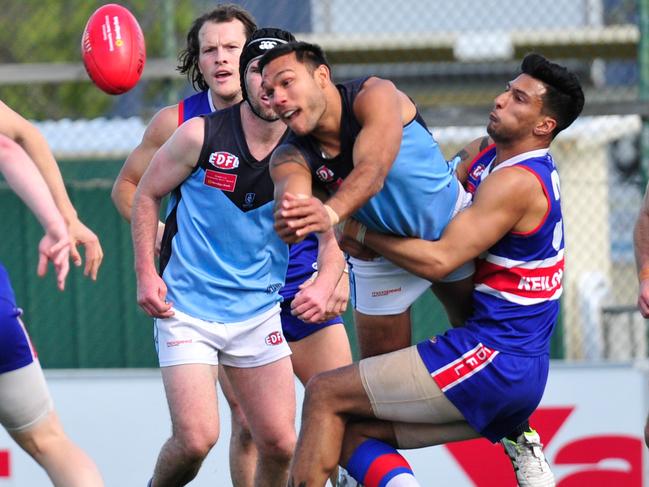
379,287
183,339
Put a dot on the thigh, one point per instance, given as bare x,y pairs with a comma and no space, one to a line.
266,395
382,334
400,389
24,397
457,299
326,349
191,395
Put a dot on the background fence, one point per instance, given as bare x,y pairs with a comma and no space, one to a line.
451,56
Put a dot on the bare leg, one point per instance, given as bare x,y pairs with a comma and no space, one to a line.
243,452
457,299
382,334
326,349
193,405
267,398
65,463
330,397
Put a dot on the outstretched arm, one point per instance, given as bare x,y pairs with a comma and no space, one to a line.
641,247
25,180
32,141
380,108
170,166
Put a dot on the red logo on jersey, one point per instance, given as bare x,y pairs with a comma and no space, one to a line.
220,180
224,160
324,174
275,338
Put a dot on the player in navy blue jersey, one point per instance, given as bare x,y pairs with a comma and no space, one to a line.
315,346
486,377
26,408
364,144
221,266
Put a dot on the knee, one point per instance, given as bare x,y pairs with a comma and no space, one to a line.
318,393
43,438
278,448
195,443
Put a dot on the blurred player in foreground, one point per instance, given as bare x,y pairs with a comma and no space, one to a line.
26,409
32,141
485,378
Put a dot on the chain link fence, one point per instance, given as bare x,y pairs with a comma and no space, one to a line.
451,56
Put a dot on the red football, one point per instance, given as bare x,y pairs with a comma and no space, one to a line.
113,50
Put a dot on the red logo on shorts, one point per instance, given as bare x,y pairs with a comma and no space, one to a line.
275,338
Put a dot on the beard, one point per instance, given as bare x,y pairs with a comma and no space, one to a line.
266,114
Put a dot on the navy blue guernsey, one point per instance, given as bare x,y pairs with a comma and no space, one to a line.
221,258
420,192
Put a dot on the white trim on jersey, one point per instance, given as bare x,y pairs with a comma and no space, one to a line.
523,264
516,298
522,157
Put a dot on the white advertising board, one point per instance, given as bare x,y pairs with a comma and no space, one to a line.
591,421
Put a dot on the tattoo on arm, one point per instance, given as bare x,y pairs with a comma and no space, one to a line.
286,154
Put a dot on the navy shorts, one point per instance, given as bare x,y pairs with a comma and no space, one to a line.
295,329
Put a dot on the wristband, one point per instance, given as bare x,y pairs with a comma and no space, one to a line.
333,216
643,274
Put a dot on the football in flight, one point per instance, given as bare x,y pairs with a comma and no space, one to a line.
113,49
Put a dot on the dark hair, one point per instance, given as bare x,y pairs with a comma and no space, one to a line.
259,43
188,57
564,98
309,54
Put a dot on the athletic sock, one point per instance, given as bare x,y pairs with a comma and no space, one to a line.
377,464
519,430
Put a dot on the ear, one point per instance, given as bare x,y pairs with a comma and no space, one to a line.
545,126
322,75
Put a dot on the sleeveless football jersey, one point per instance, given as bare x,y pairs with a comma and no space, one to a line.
518,280
303,256
420,191
494,369
221,258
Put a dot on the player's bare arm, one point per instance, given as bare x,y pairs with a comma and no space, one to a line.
468,154
292,178
382,111
169,167
641,247
34,144
158,131
509,200
315,302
